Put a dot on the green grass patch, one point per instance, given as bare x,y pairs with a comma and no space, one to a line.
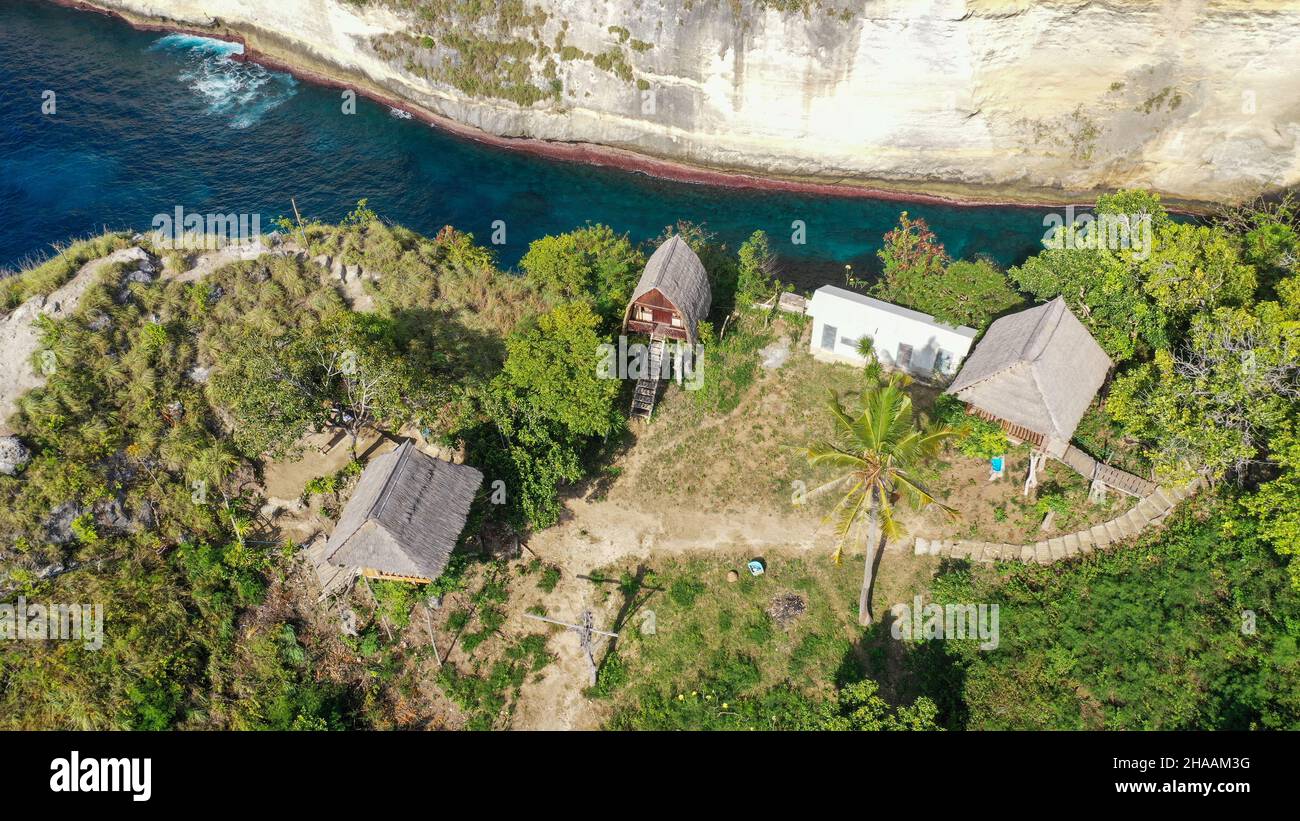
716,638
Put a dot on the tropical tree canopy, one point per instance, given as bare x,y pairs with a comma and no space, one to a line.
589,263
555,364
755,279
1214,402
910,254
1137,289
920,275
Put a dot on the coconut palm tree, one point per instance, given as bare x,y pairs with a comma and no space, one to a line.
882,451
866,348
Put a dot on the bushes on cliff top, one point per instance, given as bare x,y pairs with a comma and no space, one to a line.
1194,627
918,274
55,272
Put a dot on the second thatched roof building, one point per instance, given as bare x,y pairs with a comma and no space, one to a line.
405,517
1035,372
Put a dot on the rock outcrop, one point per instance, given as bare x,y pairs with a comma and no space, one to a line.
995,99
13,455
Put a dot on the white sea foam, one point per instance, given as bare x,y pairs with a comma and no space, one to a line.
195,43
242,92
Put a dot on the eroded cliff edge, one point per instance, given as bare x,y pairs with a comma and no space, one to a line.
982,99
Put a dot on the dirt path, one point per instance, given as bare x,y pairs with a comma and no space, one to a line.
596,534
20,335
204,264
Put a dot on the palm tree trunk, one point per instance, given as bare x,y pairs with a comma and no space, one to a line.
864,613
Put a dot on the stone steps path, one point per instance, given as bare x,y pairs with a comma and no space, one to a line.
1151,511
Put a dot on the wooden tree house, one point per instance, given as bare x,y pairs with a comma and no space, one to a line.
669,302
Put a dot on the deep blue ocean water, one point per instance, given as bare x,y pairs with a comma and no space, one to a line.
145,122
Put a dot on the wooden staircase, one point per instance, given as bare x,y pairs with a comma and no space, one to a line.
1082,463
333,578
1121,480
1149,512
647,389
1108,475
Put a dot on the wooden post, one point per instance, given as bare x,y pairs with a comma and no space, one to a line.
1047,521
1036,459
382,621
584,638
585,631
1097,492
575,627
428,623
302,239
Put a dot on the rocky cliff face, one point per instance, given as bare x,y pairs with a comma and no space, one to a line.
1024,99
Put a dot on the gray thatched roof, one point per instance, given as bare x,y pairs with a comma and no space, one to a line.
1039,368
677,273
406,514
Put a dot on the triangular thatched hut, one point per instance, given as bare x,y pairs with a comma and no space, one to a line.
405,516
672,296
1035,372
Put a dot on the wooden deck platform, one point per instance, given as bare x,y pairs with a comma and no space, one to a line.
1108,475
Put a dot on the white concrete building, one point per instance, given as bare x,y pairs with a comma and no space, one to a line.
904,339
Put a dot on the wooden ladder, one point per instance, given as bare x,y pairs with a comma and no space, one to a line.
647,389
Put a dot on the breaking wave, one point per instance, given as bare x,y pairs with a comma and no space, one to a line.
241,92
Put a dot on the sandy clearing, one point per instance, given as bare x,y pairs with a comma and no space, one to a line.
596,534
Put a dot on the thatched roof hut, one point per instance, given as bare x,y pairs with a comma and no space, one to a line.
672,296
1036,372
405,516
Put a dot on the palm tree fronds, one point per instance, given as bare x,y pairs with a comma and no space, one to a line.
831,485
823,453
844,423
882,449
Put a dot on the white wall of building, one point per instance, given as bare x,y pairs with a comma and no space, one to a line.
842,317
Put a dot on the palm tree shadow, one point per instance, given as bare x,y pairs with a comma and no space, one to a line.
633,601
907,670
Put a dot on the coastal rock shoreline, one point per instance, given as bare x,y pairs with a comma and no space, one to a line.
702,159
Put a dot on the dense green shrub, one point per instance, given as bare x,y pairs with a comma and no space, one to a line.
975,437
1194,627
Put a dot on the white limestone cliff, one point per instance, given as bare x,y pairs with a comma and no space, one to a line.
994,99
